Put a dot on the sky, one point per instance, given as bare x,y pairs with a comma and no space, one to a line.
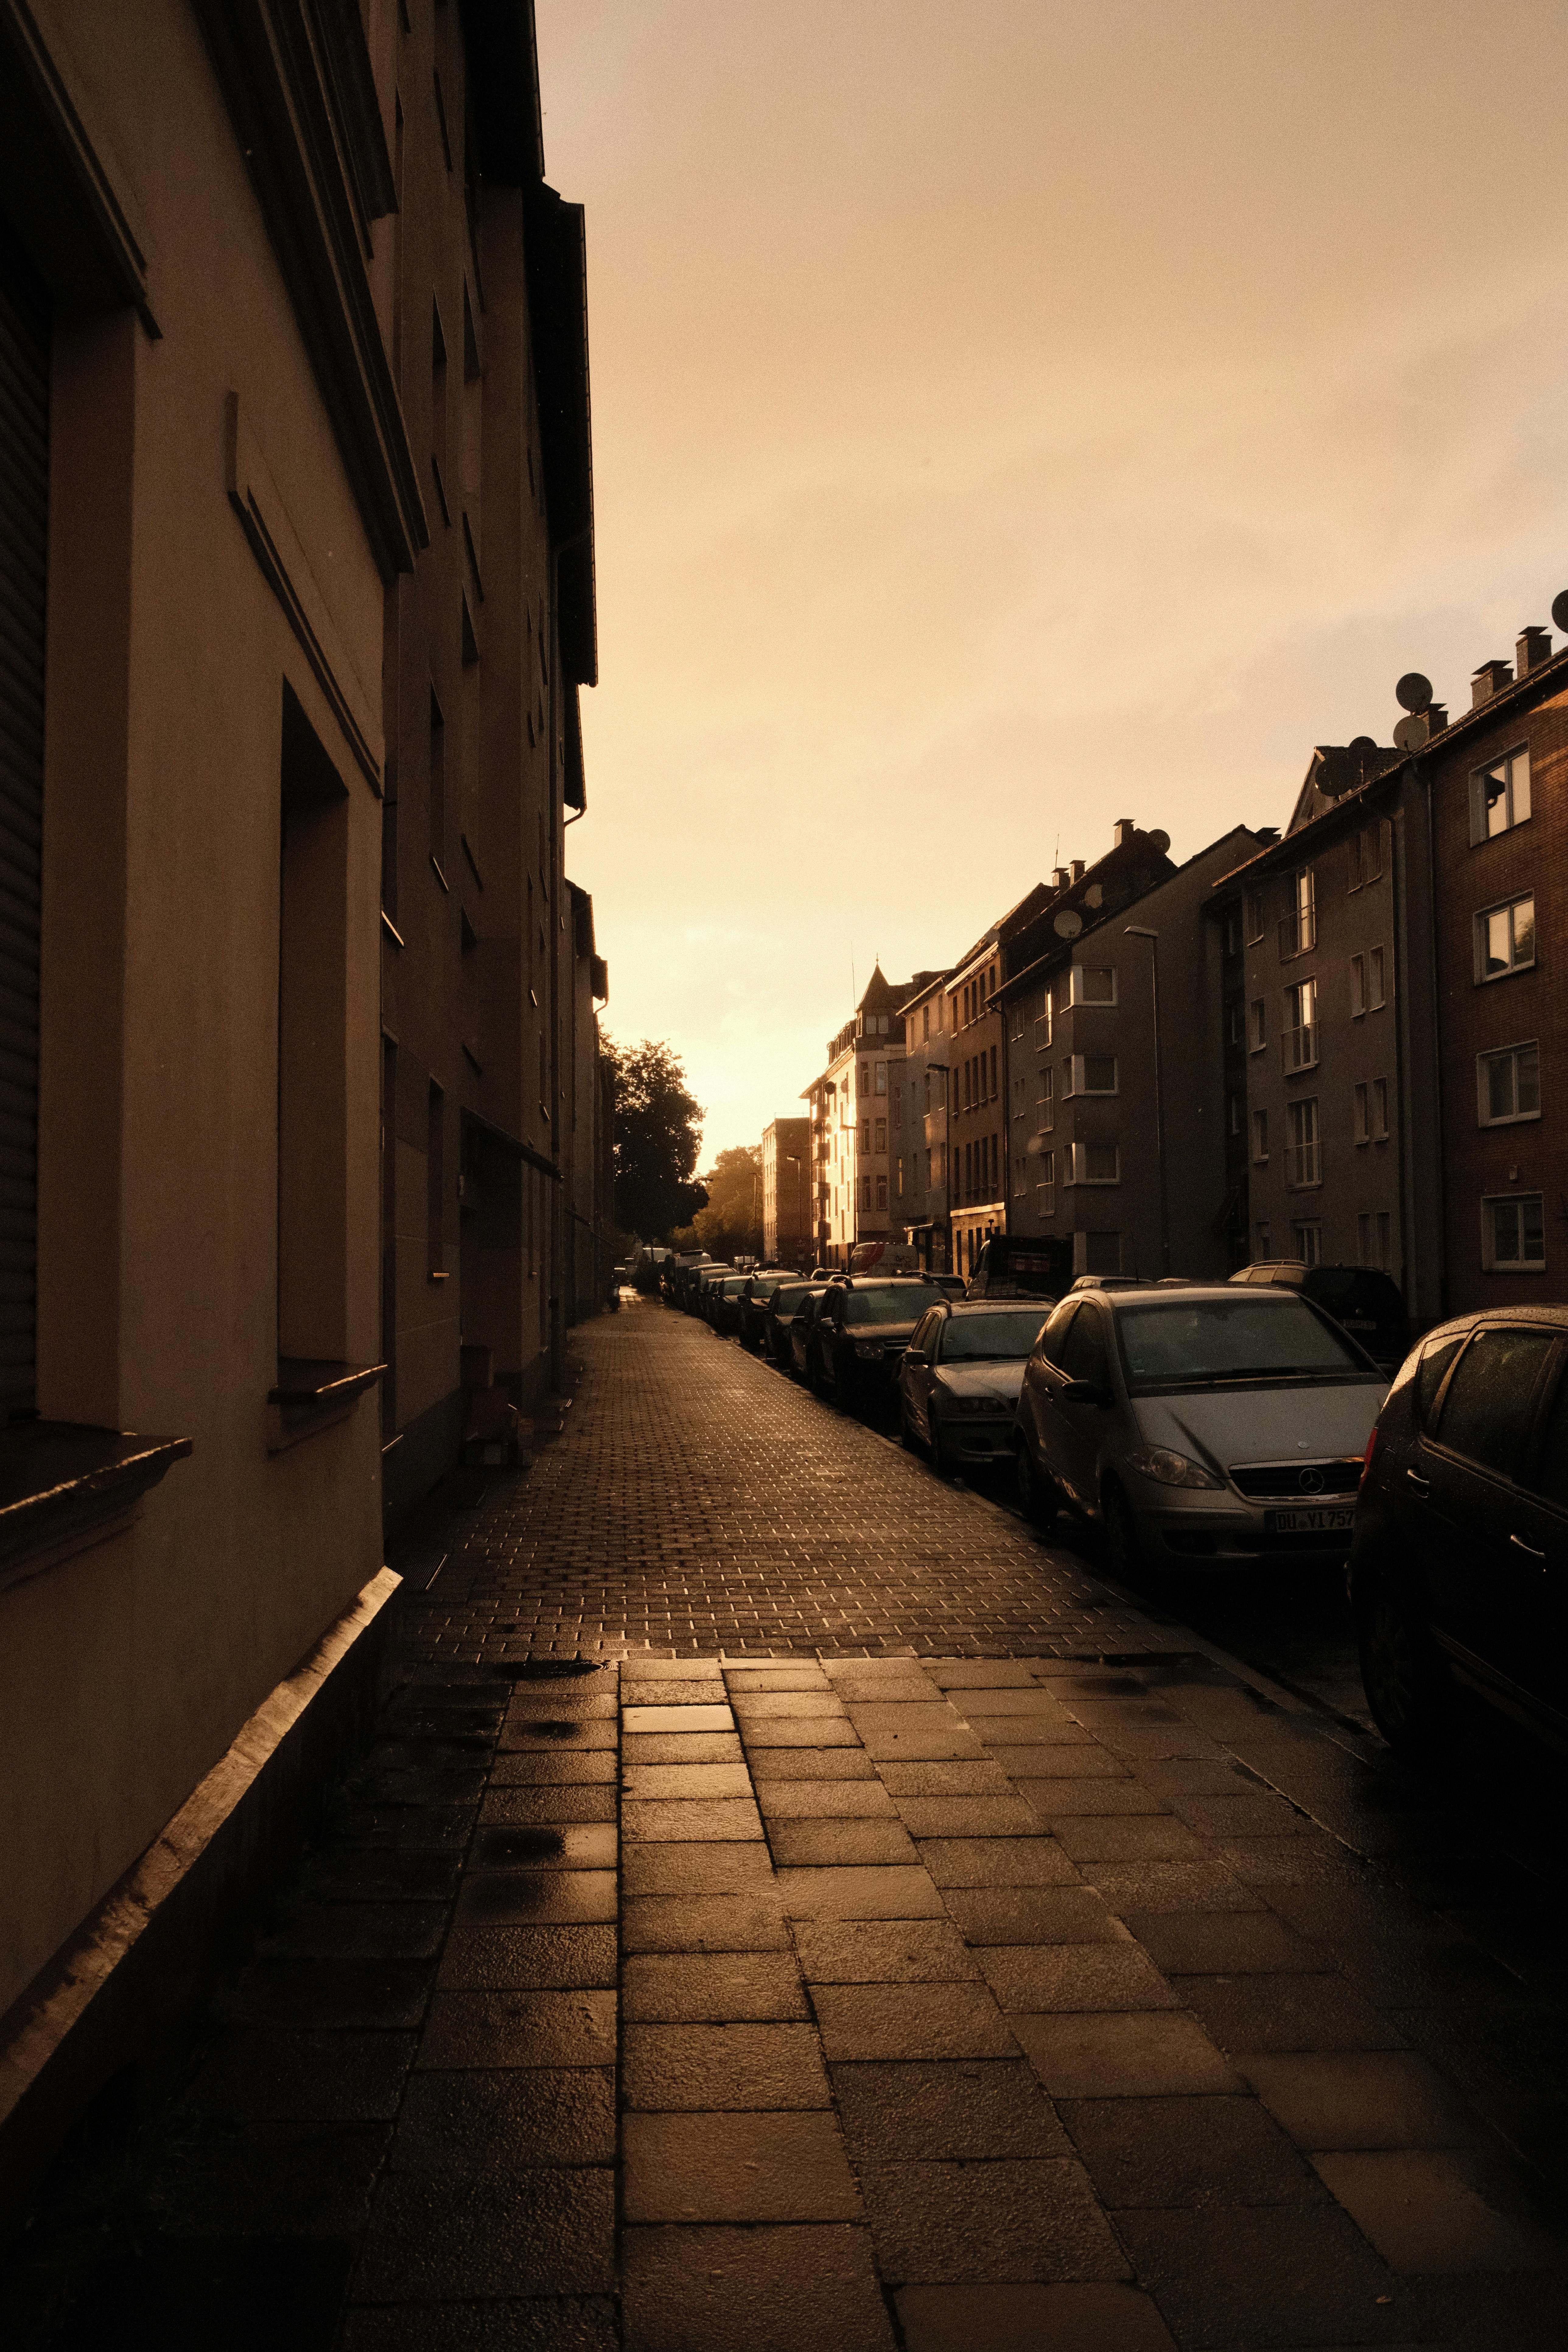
1013,417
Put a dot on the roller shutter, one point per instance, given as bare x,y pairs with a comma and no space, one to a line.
24,515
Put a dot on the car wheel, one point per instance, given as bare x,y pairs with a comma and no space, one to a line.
1037,1494
1409,1688
1123,1544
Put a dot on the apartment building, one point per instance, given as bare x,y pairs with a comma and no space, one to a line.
976,1121
920,1123
787,1237
850,1108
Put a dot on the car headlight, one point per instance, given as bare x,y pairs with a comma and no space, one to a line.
950,1404
1170,1469
868,1348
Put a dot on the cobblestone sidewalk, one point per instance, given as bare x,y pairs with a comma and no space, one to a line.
1091,1999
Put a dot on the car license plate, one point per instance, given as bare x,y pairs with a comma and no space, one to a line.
1328,1519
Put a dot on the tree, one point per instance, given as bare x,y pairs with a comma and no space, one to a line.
731,1224
657,1123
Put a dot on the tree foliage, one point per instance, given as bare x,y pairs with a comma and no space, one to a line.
657,1136
732,1223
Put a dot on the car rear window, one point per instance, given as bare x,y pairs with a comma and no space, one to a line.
790,1293
973,1338
1275,1336
1484,1413
890,1305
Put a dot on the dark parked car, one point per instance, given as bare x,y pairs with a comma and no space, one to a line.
1366,1304
702,1282
754,1303
802,1324
862,1328
959,1378
1458,1569
1016,1265
778,1311
723,1303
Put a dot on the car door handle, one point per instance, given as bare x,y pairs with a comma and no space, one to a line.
1422,1485
1527,1548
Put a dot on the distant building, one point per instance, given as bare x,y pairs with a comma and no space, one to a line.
850,1108
787,1237
920,1123
976,1119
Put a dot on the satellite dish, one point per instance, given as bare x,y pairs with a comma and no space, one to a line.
1067,924
1160,841
1411,733
1363,745
1414,692
1560,609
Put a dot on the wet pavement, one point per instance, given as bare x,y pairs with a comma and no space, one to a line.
790,1904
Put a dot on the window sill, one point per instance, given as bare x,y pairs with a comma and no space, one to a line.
312,1394
63,1483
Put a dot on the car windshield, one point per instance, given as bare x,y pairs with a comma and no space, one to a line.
789,1296
1192,1343
889,1305
733,1283
974,1339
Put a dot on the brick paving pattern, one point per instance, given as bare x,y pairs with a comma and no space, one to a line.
676,1997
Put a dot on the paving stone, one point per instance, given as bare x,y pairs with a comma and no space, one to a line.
1081,1976
924,1733
962,2109
1248,1813
981,1674
714,1821
403,1829
809,1764
1084,2055
1286,2012
996,1701
705,1690
742,1680
555,1735
1360,2099
295,2180
714,1988
882,1951
672,1867
519,2028
854,1682
997,1862
737,2167
799,2288
834,1801
757,1707
685,1782
938,1780
911,2021
543,2324
355,1931
1076,1800
1144,1837
548,2232
345,1874
1031,1915
858,1894
1034,2219
1249,2278
325,1994
643,1668
1439,2209
683,1748
1305,1860
563,1958
813,1731
535,1768
809,1843
555,1700
500,2120
507,1803
516,1897
1146,1886
1174,2151
643,1720
703,1923
1067,2317
1228,1943
694,2068
253,2074
544,1846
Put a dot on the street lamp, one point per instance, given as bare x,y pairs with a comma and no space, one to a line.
1136,931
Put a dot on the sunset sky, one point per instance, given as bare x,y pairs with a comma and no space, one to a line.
1011,416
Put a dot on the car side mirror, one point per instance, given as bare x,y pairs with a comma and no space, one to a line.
1083,1393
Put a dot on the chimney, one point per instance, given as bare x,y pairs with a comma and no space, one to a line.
1534,646
1058,878
1123,832
1077,869
1489,679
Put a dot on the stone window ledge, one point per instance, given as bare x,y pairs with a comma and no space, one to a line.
64,1485
312,1394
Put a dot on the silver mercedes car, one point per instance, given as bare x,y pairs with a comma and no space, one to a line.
1202,1427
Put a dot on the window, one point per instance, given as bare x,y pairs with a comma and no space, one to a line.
1237,1114
1015,1024
1046,1185
1094,1163
866,1135
1510,1085
898,1106
882,1192
1261,1135
1252,905
881,1143
1308,1243
1019,1187
1302,1160
925,1023
1372,852
1372,1239
1042,1029
1235,1023
864,1078
1375,987
1513,1234
865,1192
881,1077
1261,1237
1092,1074
1505,939
1045,1106
1090,984
1299,931
1486,1413
435,1179
1499,796
1301,1025
1258,1021
1380,1110
1358,986
1362,1127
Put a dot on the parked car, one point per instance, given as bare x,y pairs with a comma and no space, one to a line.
1369,1305
778,1311
722,1306
752,1325
1016,1265
959,1377
1110,1282
862,1328
1219,1429
702,1282
802,1323
954,1284
1457,1572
